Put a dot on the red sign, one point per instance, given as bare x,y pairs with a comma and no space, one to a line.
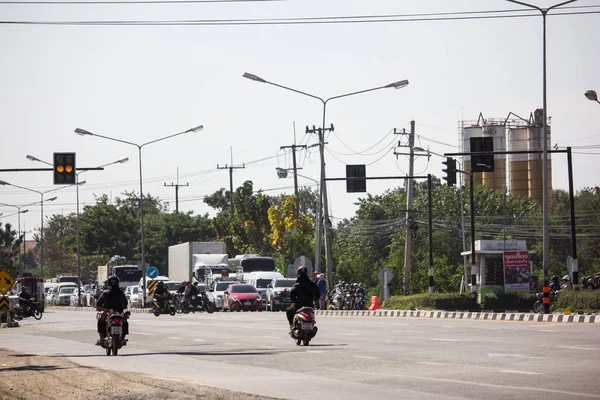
517,274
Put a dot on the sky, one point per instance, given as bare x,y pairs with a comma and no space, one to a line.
142,82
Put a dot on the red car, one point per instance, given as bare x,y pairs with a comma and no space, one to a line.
241,296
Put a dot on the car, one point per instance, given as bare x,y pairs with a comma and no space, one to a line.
132,294
241,297
278,294
260,280
63,298
215,294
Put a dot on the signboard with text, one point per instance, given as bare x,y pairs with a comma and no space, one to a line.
517,274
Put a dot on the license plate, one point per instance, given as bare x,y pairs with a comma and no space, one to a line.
247,303
116,330
307,326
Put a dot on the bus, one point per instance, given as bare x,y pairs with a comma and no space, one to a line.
128,275
67,278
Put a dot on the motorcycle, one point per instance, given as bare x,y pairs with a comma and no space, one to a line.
336,298
168,306
538,307
348,302
113,341
33,310
207,305
360,302
304,328
200,303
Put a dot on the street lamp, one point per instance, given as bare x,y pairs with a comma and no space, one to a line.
591,95
546,244
19,212
4,183
83,132
323,190
77,183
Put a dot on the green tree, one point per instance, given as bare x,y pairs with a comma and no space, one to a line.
9,249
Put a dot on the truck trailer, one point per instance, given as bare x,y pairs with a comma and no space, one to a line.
184,256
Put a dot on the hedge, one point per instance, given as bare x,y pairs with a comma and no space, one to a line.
585,301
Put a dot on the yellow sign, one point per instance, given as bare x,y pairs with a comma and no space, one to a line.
6,281
4,304
151,287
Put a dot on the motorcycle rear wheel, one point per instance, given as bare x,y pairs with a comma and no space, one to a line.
172,312
209,307
298,342
115,346
108,349
37,314
306,341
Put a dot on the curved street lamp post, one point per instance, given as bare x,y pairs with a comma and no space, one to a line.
83,132
323,191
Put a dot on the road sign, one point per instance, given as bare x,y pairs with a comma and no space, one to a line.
385,276
6,281
4,304
152,272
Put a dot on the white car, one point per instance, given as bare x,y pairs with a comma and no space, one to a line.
215,294
132,294
63,298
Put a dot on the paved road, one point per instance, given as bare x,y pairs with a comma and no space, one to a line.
351,357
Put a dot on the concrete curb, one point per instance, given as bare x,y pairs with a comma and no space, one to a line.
483,315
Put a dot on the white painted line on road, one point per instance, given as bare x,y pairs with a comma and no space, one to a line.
445,340
510,371
145,334
578,348
431,363
548,330
315,351
270,347
353,334
366,357
496,355
200,340
174,338
230,344
447,326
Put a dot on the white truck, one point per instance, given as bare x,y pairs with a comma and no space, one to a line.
184,257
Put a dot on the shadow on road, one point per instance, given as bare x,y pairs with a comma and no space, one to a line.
35,368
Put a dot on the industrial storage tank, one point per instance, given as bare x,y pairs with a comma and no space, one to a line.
536,165
518,163
496,180
467,133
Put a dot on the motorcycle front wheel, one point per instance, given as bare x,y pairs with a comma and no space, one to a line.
37,314
172,311
209,307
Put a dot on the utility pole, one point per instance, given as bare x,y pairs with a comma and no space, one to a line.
324,219
409,204
231,168
295,168
176,186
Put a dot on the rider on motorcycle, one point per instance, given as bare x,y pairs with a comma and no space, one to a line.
24,299
112,299
161,295
191,294
303,294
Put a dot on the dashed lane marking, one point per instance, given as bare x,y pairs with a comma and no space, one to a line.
230,344
431,363
200,340
578,348
445,340
269,347
366,357
510,371
174,338
145,334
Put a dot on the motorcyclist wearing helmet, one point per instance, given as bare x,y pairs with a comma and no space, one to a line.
191,294
161,294
566,283
24,299
114,299
304,293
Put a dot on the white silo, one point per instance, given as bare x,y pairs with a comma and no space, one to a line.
518,163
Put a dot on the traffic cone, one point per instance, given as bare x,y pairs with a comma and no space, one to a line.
374,303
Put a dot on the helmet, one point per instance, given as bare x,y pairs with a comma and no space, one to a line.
160,283
590,281
555,278
321,276
566,278
113,281
302,271
196,283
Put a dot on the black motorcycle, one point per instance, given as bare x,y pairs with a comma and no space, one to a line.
114,339
34,310
165,306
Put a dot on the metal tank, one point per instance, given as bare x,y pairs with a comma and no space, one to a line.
518,165
536,165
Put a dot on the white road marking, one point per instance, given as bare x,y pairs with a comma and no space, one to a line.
366,357
447,326
174,338
548,330
200,340
315,351
353,334
145,334
270,347
230,344
496,355
445,340
510,371
578,348
430,363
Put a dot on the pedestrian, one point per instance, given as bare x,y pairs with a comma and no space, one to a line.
322,285
535,284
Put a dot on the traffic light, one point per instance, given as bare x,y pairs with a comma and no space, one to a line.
450,171
485,162
64,169
356,185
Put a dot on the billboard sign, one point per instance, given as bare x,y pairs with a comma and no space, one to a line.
517,274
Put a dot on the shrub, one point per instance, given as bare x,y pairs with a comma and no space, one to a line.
580,300
520,300
433,301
